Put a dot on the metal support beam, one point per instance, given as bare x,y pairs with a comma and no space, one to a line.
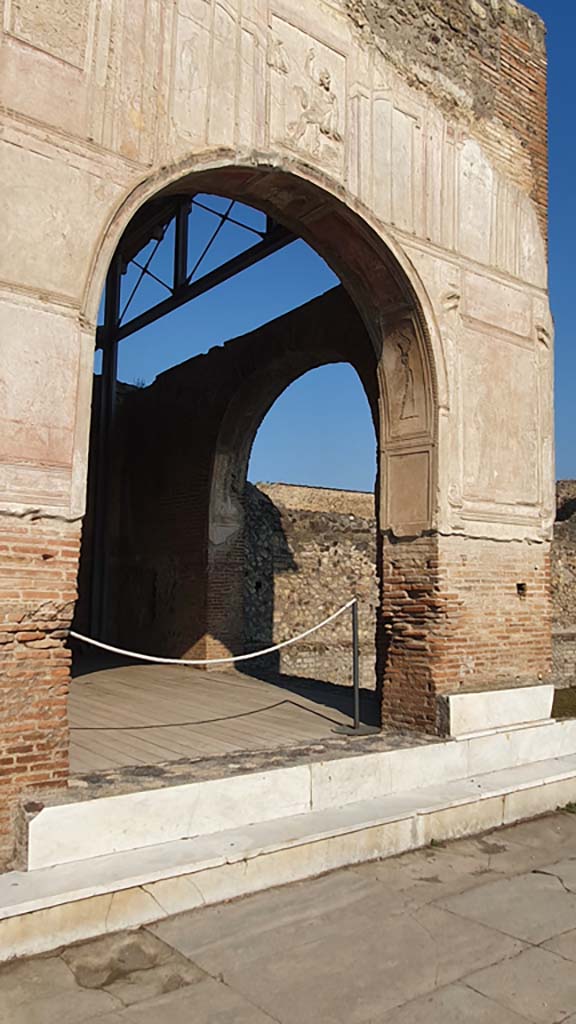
106,403
276,239
150,224
181,246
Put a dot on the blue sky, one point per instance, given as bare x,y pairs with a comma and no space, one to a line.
560,18
320,432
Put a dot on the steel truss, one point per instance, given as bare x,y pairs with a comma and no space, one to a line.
151,224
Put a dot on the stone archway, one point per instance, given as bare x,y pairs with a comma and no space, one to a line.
326,330
387,323
427,199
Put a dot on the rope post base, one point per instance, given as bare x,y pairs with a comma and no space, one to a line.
358,728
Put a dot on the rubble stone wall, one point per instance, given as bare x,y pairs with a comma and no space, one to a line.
307,552
563,561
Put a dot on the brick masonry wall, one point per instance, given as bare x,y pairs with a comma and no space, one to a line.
175,590
498,630
456,611
453,617
412,607
307,551
482,599
38,567
484,61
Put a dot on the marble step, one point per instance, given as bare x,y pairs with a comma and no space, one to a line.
84,829
45,908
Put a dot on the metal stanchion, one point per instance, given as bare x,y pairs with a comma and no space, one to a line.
358,728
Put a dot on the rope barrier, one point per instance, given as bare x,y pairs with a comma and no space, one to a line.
213,661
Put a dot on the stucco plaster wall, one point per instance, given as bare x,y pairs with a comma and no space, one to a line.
103,104
99,115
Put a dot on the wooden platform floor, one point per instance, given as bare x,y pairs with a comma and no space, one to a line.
136,714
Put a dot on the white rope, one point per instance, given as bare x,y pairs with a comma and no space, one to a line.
212,661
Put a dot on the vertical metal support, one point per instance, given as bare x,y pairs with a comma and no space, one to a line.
355,665
181,245
107,399
357,728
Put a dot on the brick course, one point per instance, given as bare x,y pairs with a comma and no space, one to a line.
38,570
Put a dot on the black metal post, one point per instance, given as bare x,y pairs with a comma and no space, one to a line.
357,728
107,399
181,245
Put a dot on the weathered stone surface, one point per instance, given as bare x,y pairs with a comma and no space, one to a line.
407,143
452,1005
536,984
98,963
357,946
533,908
411,953
132,967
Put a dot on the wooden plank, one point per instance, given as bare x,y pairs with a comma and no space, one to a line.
125,697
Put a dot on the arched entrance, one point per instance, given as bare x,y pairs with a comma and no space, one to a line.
437,235
376,323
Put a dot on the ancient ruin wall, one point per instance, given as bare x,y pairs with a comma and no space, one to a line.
307,551
98,115
484,62
564,585
306,545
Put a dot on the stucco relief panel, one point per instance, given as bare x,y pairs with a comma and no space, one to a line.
224,76
46,53
500,430
58,209
405,384
307,95
59,28
128,85
500,305
398,161
406,445
544,340
407,490
190,76
475,192
38,407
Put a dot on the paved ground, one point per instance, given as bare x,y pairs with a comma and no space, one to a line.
481,931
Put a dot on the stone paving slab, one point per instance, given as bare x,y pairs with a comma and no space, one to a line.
72,1007
538,984
322,966
479,931
532,907
209,1002
452,1005
564,945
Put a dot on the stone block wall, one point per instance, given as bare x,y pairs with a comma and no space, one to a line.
293,531
307,552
